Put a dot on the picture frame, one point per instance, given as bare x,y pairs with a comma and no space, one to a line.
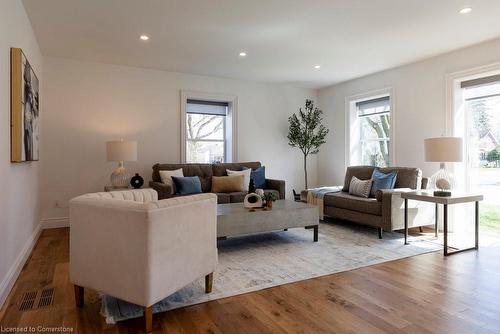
25,109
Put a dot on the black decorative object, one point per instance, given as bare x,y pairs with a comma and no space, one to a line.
137,181
251,187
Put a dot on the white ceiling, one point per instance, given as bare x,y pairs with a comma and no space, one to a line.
284,39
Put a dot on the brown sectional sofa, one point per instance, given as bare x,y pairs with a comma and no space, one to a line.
205,173
384,212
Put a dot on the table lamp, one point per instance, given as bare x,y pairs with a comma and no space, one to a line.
443,150
120,151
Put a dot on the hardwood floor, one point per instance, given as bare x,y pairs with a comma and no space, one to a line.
421,294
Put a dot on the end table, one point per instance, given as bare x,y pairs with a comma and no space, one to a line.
426,196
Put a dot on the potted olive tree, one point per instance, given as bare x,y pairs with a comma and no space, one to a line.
306,132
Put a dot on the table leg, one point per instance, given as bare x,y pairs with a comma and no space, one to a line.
477,225
406,221
436,221
445,218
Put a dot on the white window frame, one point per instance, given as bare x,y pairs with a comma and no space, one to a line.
352,126
230,124
455,122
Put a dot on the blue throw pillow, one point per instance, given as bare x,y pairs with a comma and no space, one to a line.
187,185
259,177
382,181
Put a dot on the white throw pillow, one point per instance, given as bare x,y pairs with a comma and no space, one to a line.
246,175
359,187
166,177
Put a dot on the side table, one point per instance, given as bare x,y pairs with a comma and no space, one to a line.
426,196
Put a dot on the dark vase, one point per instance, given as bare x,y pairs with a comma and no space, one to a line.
269,204
137,181
251,186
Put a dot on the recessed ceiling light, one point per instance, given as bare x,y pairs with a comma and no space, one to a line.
317,67
243,54
144,37
465,10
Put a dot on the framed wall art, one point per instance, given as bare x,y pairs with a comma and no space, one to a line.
25,109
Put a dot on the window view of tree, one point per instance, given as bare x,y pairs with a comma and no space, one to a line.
205,134
483,142
375,123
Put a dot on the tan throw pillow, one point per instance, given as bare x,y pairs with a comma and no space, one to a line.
246,174
227,184
166,177
360,188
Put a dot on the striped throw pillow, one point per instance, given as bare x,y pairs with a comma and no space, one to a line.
360,188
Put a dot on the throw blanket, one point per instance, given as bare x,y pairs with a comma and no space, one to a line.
315,197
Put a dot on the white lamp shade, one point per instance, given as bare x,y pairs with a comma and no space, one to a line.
119,150
444,149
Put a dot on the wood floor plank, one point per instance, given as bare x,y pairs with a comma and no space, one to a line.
422,294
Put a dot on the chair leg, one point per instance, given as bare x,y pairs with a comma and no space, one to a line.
380,232
209,280
79,292
148,319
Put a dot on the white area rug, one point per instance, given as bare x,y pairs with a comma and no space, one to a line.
261,261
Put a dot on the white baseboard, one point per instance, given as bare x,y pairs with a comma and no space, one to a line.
14,271
54,222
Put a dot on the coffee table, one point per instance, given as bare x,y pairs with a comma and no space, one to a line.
235,220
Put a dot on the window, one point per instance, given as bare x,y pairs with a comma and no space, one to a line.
375,127
369,122
206,131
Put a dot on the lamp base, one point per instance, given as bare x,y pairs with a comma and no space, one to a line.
120,177
442,193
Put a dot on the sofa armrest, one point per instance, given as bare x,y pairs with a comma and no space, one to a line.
278,185
386,194
419,213
164,190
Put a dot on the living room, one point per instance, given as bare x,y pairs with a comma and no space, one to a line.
113,89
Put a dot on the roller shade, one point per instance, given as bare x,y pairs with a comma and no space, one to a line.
480,81
374,106
207,107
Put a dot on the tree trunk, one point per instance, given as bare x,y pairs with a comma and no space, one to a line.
305,170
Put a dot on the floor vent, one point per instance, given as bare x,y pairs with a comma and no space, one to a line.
46,298
28,301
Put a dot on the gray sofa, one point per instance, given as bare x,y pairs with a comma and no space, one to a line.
205,173
386,211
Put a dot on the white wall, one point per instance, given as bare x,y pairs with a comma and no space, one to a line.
19,215
88,103
420,111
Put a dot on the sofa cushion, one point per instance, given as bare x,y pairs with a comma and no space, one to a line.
220,169
361,172
203,171
237,197
223,198
360,188
166,177
187,185
408,177
246,175
382,181
349,202
259,177
228,184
